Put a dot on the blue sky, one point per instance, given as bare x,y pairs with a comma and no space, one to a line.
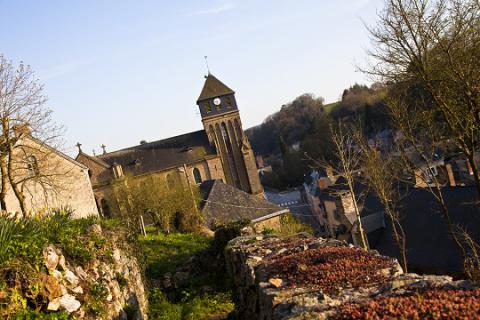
117,72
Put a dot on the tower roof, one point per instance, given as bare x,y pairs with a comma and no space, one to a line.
213,88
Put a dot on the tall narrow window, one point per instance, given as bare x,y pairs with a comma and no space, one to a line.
32,165
228,102
197,176
208,107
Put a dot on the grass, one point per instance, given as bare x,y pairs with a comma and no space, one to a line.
165,253
329,107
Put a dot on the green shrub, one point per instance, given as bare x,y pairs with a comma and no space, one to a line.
290,225
21,260
225,233
17,232
131,311
37,315
161,309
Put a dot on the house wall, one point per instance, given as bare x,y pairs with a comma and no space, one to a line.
61,182
331,222
272,223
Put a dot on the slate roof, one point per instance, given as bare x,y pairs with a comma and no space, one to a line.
213,88
223,203
162,154
430,248
93,158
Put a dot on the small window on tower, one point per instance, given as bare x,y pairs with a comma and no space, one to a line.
228,102
208,107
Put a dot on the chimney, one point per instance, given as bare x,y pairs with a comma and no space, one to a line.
117,170
451,177
22,129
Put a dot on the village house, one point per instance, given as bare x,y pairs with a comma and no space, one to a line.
221,151
49,179
331,204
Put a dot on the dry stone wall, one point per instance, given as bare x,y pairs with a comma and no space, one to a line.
302,277
112,285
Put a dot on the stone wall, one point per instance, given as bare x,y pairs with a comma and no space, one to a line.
106,288
302,277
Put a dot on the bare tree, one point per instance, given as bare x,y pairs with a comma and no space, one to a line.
347,165
382,175
434,45
421,140
29,136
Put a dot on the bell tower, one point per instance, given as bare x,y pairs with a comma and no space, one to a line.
221,120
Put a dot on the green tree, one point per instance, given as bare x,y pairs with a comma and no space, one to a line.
171,208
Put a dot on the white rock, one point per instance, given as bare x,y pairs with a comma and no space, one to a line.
57,274
69,303
51,258
96,228
61,262
77,290
63,290
54,304
71,278
81,273
116,255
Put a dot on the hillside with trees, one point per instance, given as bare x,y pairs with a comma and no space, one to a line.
302,126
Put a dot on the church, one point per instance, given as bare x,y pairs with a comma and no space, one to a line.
220,152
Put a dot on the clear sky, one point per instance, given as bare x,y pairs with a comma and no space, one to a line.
117,72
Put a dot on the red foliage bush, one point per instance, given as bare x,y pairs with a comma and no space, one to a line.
428,304
330,269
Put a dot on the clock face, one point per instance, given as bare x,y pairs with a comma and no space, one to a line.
217,101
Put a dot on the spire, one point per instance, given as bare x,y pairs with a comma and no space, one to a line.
104,148
213,88
79,146
208,67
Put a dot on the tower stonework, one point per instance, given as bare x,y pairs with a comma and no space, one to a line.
222,123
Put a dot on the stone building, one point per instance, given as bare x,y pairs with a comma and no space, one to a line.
49,179
219,152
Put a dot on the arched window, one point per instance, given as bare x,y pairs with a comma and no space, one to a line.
32,165
105,208
208,107
197,176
